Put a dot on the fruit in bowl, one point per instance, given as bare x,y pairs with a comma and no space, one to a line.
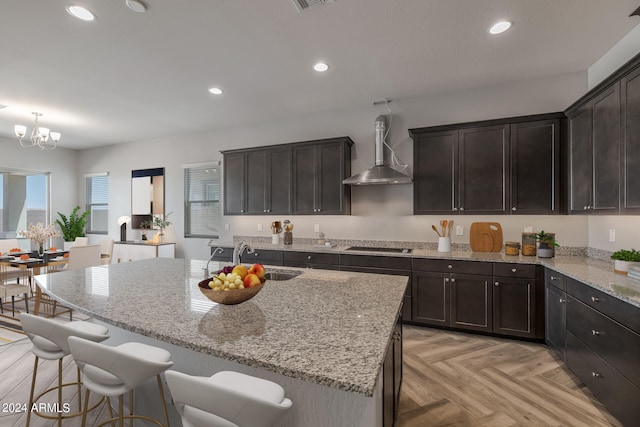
232,285
24,257
15,250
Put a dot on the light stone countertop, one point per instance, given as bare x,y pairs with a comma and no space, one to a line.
326,327
597,273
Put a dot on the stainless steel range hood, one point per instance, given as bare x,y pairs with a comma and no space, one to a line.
380,173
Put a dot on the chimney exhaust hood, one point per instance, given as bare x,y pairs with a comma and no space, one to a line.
380,173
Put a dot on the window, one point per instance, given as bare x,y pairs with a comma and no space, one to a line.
24,200
97,203
202,210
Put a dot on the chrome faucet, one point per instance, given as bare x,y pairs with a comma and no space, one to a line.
238,250
206,268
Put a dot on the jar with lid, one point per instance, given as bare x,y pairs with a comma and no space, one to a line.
512,248
529,244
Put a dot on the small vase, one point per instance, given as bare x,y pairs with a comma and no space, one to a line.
40,250
545,251
444,244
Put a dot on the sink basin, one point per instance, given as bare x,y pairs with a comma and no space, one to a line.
282,275
378,249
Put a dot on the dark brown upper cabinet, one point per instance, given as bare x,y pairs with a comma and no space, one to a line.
535,167
257,181
318,170
630,158
491,167
296,178
594,153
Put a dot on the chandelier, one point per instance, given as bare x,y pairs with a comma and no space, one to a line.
39,136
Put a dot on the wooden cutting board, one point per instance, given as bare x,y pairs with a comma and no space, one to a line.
485,237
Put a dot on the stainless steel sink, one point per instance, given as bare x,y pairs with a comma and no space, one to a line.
282,275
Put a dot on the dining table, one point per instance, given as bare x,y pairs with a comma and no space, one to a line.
32,266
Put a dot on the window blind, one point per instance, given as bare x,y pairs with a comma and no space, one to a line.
202,210
97,203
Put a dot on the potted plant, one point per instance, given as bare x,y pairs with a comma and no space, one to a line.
161,222
72,226
623,259
547,243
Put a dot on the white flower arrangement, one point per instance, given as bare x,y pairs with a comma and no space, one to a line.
39,233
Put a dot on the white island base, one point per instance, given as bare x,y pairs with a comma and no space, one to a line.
313,405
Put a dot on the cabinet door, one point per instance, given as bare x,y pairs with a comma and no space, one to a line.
630,159
483,165
430,298
556,318
234,184
278,185
514,307
580,160
535,167
256,179
304,179
388,398
471,302
435,172
330,191
606,151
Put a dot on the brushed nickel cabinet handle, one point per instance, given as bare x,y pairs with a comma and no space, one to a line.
594,332
595,299
497,283
562,300
461,209
513,270
514,209
595,374
446,280
453,280
553,278
309,257
449,266
455,209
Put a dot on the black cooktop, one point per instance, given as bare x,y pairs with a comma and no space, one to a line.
374,249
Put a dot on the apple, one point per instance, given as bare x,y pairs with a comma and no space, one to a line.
240,270
258,270
251,280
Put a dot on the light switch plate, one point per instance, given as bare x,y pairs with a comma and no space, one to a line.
316,228
226,227
259,227
612,235
459,230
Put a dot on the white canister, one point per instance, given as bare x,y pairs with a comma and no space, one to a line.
444,244
275,239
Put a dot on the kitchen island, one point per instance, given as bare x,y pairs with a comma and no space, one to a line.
323,335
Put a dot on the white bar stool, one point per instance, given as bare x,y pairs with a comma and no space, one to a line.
49,338
227,399
113,371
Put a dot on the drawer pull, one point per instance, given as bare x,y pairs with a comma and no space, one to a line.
594,332
309,257
256,254
497,283
453,280
595,299
595,374
562,300
553,278
446,280
449,266
513,270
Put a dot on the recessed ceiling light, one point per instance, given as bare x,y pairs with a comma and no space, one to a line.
216,91
136,5
321,67
80,13
500,27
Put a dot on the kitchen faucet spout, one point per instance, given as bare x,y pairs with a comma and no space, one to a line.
239,250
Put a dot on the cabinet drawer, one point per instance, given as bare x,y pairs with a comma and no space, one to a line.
616,344
525,271
374,270
399,263
311,257
620,311
452,266
311,265
611,388
263,256
555,278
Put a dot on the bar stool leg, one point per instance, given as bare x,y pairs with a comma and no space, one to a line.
79,390
164,405
86,408
33,386
121,410
60,392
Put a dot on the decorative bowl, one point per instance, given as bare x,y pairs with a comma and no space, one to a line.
235,296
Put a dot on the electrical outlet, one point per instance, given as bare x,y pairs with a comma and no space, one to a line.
316,228
612,235
226,227
259,227
459,230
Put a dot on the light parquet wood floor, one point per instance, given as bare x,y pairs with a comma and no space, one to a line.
458,379
450,379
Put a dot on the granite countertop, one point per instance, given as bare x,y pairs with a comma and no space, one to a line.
327,327
597,273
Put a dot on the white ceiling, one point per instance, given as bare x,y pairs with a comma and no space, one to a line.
129,76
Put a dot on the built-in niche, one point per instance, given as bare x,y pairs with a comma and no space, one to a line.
147,195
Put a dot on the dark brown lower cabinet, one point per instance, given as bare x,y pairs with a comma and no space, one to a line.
392,376
461,301
514,307
556,319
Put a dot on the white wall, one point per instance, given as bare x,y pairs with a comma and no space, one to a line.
61,163
378,212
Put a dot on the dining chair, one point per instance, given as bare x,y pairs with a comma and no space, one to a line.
84,256
81,241
106,246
